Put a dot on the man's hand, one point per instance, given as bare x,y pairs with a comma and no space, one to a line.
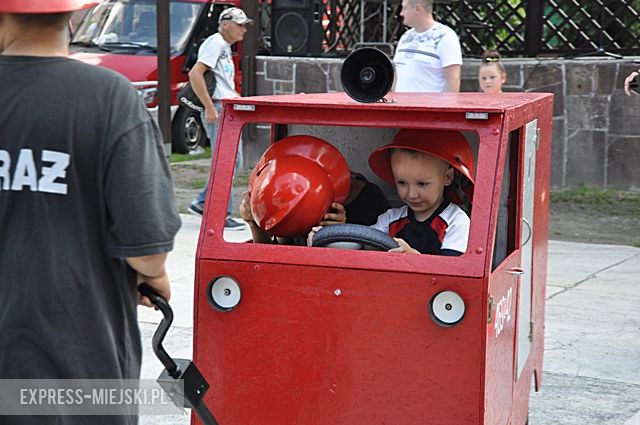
211,114
150,269
337,215
627,83
159,283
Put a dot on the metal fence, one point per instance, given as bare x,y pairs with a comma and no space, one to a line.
513,27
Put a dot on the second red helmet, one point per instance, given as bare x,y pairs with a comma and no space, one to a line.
289,195
321,152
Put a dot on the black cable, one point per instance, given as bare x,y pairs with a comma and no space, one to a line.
524,84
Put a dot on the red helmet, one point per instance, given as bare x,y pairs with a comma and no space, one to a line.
44,6
448,145
289,195
317,150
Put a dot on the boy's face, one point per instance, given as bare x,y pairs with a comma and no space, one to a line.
420,181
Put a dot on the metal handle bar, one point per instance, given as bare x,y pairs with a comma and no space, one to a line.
163,327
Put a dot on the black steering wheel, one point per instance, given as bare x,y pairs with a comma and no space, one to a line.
353,236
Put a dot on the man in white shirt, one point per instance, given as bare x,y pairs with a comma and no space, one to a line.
215,54
428,57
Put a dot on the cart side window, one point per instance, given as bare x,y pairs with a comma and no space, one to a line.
505,237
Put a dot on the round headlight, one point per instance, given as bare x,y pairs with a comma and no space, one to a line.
446,308
224,293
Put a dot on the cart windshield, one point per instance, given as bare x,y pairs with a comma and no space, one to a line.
132,25
283,192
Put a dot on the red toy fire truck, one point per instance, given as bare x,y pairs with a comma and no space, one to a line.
298,335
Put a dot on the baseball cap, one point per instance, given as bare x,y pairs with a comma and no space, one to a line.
234,14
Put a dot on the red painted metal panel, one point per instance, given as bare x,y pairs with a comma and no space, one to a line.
500,342
316,345
426,102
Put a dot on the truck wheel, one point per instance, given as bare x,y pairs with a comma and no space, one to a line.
187,131
354,234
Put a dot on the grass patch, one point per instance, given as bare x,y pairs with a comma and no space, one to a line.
242,179
197,183
596,197
182,157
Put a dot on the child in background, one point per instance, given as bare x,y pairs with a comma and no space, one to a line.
491,75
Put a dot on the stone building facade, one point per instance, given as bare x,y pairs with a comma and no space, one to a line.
596,128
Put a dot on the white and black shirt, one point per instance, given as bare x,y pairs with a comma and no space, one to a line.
446,232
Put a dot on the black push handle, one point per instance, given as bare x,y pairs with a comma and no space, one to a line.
158,336
195,385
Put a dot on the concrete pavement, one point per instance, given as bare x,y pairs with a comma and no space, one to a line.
592,342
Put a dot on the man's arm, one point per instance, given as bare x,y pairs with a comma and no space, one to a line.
627,82
199,86
151,270
452,75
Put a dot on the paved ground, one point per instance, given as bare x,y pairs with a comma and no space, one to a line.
592,347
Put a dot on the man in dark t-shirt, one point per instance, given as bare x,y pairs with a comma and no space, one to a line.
86,209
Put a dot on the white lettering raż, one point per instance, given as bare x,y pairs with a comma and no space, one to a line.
53,169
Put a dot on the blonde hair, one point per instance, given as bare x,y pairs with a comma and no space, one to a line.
418,154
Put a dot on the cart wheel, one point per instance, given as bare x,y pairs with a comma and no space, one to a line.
353,236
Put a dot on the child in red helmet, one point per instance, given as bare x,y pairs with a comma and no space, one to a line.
302,181
421,164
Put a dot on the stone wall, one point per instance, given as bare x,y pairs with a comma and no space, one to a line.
596,130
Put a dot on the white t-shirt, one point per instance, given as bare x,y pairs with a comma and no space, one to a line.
215,52
420,57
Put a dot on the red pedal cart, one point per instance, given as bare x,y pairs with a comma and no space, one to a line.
296,335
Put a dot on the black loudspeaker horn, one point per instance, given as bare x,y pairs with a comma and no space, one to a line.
367,75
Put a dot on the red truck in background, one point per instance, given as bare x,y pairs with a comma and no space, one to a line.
122,35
